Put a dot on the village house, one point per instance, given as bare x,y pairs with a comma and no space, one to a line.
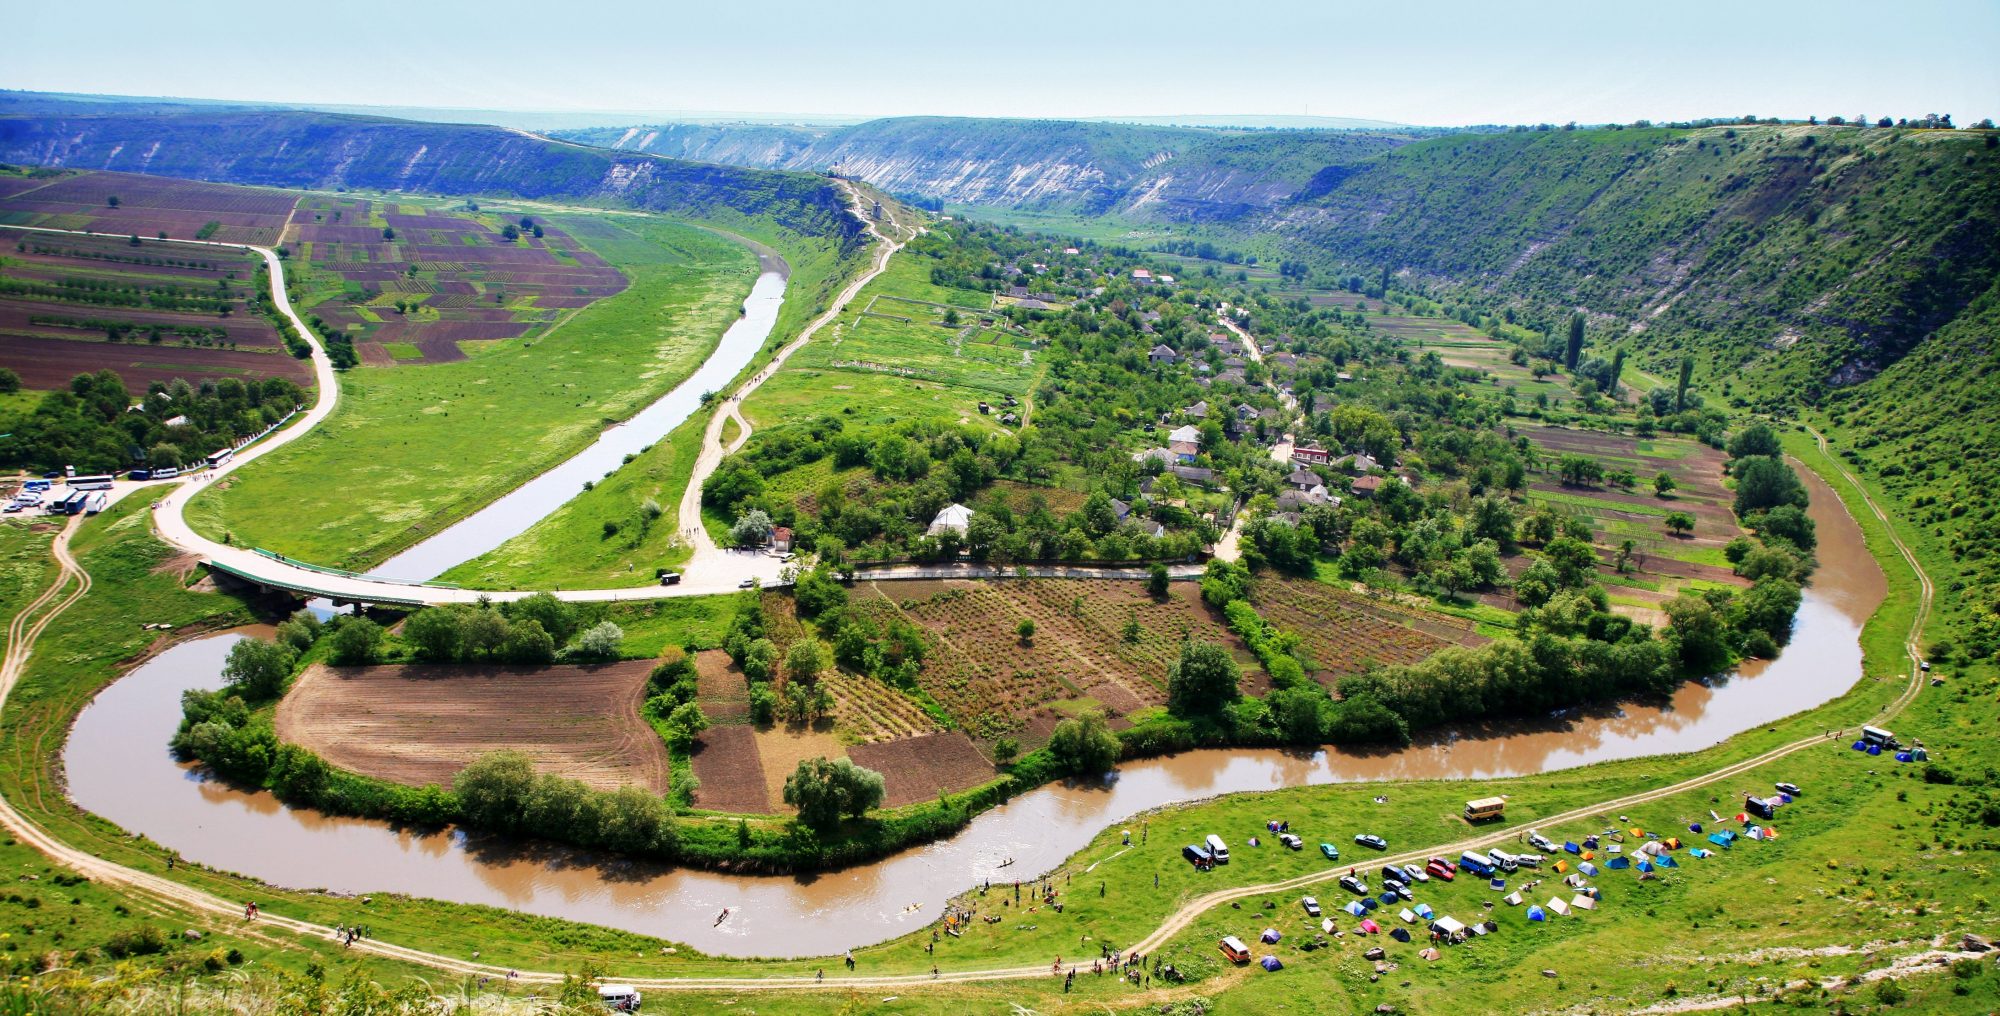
1163,353
1367,486
1185,443
1198,411
1305,479
1195,474
781,539
1142,277
1161,455
1363,463
1311,455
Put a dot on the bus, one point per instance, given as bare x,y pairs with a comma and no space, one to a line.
221,457
99,482
1485,809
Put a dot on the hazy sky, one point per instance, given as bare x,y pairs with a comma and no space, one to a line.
1414,61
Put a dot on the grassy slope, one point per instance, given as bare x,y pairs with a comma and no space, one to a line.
411,450
569,546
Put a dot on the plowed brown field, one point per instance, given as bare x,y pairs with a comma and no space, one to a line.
421,724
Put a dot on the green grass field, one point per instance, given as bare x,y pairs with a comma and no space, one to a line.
409,451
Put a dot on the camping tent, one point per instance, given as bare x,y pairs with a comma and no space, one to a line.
1636,831
1582,902
1918,754
1556,904
1644,866
1653,848
1369,927
1698,852
1424,911
1572,847
1720,840
1481,928
1562,866
1672,842
1388,899
1754,833
1498,884
1355,908
1270,936
1326,926
1400,934
1694,827
1271,963
1589,855
1448,925
1618,863
1514,898
1430,954
1614,849
1537,914
1369,902
1667,861
1409,916
1587,868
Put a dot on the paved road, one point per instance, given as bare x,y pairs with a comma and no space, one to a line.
712,565
27,625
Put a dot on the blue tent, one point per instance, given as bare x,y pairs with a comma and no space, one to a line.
1587,868
1537,914
1424,911
1572,847
1860,746
1356,909
1644,866
1787,798
1699,853
1498,883
1271,963
1902,756
1619,863
1694,827
1270,936
1874,749
1400,934
1667,861
1369,903
1590,843
1720,840
1389,898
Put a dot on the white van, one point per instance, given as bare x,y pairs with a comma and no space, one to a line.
1504,860
1219,849
619,997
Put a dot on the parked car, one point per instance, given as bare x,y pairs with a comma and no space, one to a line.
1403,891
1291,841
1416,874
1311,905
1528,860
13,506
669,578
1440,871
1449,864
1393,873
1789,788
1332,852
746,583
1354,885
1196,855
1371,840
1541,843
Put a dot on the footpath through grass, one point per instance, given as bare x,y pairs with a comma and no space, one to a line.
412,449
573,547
1908,858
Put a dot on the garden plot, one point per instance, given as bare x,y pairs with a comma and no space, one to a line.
1346,633
422,724
149,205
923,768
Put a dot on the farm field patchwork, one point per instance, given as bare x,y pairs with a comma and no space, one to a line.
416,724
1347,633
150,312
994,684
397,277
450,437
146,206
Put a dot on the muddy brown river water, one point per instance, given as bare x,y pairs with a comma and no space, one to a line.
118,767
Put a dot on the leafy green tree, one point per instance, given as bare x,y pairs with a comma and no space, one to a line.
1574,560
1157,581
1084,745
685,723
817,592
257,669
1025,631
1756,439
1764,482
600,642
434,634
10,382
1005,750
1790,523
1664,483
1681,388
1680,523
759,658
510,232
1203,680
824,791
494,789
804,660
556,617
1579,470
1301,712
527,643
357,642
1363,719
1699,633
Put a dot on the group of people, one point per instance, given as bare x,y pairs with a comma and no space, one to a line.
348,933
1131,967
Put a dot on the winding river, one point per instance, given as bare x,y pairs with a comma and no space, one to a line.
510,516
118,767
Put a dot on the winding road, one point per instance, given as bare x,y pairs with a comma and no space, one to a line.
28,624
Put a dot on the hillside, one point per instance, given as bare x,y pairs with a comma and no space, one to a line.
332,151
1154,172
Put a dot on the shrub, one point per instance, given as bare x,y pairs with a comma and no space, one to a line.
1084,745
